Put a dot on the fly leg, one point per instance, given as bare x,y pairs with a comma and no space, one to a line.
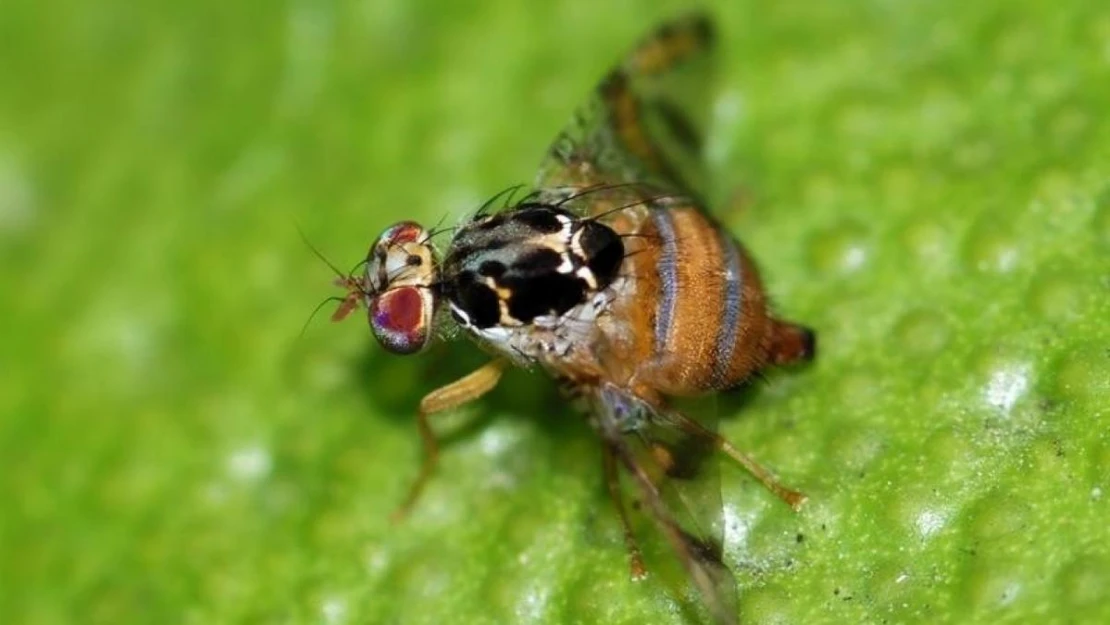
701,559
612,481
792,497
460,392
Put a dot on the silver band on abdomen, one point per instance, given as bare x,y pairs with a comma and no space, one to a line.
668,278
731,309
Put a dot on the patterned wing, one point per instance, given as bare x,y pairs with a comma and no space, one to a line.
645,121
671,471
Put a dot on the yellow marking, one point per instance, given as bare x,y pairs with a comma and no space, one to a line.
502,292
656,56
585,274
505,318
400,273
554,241
503,296
663,457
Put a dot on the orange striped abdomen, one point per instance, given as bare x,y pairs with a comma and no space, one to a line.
697,308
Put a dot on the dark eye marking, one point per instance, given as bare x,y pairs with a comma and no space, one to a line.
541,260
413,260
478,301
492,268
603,250
540,218
551,293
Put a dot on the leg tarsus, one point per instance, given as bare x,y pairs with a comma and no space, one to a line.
636,566
792,497
427,467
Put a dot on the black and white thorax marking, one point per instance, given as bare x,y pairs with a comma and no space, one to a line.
509,274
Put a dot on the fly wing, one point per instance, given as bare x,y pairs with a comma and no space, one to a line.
645,122
671,472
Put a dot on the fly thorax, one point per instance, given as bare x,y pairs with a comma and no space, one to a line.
521,275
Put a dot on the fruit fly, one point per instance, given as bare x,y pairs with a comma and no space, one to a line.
613,278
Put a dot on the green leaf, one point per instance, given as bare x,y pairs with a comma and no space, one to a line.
927,184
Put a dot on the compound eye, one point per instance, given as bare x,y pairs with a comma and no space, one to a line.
401,318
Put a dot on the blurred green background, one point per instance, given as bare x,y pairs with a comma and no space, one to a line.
929,187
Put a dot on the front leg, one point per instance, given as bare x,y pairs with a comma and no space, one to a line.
460,392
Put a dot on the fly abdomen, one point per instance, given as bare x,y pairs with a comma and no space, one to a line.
701,298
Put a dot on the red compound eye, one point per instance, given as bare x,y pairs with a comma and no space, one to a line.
401,318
